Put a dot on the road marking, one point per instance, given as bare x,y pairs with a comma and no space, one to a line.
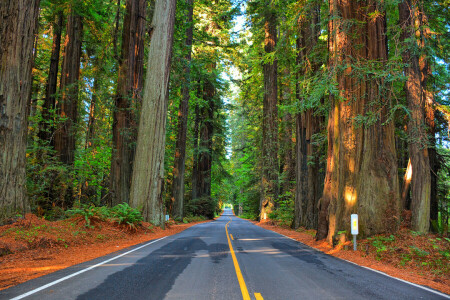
376,271
258,296
82,271
245,294
231,237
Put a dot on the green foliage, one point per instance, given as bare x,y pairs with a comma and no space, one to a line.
120,214
124,214
284,214
88,212
381,244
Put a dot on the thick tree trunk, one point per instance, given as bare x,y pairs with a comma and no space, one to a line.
361,168
46,131
269,182
205,154
127,102
67,107
287,164
180,147
148,169
420,164
17,31
307,172
428,97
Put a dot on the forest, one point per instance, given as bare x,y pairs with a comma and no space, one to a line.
302,112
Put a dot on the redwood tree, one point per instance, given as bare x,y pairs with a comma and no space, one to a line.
361,175
17,32
180,148
269,182
46,131
67,106
418,151
129,88
148,168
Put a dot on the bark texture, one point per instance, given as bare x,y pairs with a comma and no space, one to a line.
269,182
418,151
180,147
361,165
307,124
127,102
17,31
148,169
67,106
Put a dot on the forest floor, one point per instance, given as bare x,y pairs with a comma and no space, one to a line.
33,247
423,259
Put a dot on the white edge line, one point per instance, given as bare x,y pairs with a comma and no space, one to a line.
376,271
82,271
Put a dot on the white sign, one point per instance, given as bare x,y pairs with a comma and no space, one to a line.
354,220
167,218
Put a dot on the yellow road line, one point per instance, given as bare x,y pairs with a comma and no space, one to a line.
245,294
231,237
258,296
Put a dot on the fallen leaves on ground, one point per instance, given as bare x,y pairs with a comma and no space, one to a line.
33,247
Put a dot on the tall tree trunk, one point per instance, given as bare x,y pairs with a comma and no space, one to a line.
361,168
428,96
205,153
17,31
67,107
128,98
287,164
307,172
269,182
46,131
180,147
195,174
420,164
148,169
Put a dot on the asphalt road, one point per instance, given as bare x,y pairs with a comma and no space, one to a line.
228,258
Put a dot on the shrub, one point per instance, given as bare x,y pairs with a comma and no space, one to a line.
124,214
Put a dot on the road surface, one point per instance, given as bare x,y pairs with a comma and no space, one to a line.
228,258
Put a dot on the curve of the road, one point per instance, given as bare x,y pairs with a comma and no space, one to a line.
228,258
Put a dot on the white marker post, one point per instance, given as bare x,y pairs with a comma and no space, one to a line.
354,220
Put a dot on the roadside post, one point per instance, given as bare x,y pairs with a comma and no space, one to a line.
354,220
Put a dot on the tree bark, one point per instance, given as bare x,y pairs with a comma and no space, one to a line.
269,182
67,107
180,147
428,96
127,102
148,169
46,131
307,172
418,140
205,153
195,167
362,167
17,32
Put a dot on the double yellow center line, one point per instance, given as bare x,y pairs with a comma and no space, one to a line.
244,290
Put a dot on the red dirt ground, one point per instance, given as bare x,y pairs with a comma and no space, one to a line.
409,272
34,247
